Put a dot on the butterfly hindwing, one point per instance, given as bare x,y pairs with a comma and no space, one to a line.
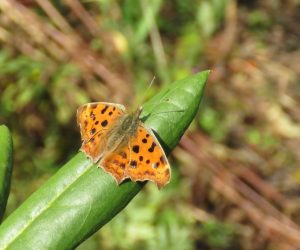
116,162
94,120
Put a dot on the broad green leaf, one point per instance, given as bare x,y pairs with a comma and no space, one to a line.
80,198
6,151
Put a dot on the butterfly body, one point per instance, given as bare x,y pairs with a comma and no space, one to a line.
121,143
123,130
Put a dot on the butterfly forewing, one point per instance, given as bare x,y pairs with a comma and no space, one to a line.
94,120
143,159
148,160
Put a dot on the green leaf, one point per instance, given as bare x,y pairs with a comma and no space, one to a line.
6,150
80,198
172,110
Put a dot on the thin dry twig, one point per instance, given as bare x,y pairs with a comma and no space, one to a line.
55,16
258,209
63,46
84,16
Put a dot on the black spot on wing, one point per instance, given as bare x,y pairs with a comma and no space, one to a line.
163,159
104,123
155,165
104,109
93,131
151,149
136,149
133,164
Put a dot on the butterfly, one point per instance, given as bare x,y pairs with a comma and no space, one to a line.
121,143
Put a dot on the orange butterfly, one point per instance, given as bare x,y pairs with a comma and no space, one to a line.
121,143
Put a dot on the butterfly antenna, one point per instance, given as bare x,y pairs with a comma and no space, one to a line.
152,81
143,98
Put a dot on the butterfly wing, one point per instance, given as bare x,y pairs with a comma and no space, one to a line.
116,162
148,160
143,159
95,120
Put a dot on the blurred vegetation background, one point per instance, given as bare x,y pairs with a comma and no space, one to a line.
236,175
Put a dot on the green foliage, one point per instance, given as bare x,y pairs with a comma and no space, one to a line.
216,234
6,151
81,198
34,92
209,121
259,20
22,81
209,15
186,23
